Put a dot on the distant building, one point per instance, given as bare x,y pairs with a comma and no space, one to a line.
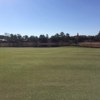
3,38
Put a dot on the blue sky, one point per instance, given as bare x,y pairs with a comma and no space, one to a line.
35,17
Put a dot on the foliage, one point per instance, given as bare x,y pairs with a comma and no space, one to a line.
59,39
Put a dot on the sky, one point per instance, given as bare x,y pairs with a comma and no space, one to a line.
35,17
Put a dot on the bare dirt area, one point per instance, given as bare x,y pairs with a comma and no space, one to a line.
90,44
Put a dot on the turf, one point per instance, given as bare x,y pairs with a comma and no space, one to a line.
66,73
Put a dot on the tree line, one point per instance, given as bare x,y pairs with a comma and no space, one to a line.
59,39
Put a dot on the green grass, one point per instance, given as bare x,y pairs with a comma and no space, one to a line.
66,73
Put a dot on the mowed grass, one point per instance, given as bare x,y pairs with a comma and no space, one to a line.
65,73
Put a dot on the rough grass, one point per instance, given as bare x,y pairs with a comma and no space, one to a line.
66,73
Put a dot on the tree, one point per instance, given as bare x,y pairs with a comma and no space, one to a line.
62,37
97,37
33,39
55,38
43,39
25,38
67,38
